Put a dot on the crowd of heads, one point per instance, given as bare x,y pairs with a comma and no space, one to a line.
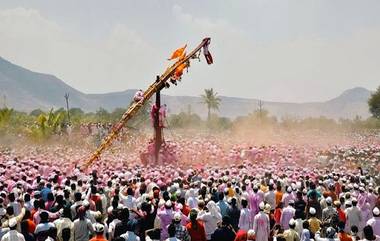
218,190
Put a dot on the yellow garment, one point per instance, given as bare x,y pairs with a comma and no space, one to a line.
291,235
264,188
231,192
315,224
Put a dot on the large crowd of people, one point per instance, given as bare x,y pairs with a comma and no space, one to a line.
217,189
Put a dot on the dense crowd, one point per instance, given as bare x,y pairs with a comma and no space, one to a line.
239,191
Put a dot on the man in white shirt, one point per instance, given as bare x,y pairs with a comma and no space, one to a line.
270,197
375,221
13,235
129,201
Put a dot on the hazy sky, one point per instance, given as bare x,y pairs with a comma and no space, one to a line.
283,50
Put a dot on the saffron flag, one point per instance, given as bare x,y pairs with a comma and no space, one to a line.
179,70
178,53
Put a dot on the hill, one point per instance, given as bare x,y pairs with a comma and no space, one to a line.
27,90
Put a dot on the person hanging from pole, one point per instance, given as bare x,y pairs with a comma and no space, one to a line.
153,112
162,115
139,95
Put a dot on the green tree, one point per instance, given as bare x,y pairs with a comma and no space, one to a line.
36,112
211,100
184,119
47,125
5,119
117,113
76,112
102,115
374,104
142,117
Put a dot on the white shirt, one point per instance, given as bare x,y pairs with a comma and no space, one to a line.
112,226
130,236
41,227
245,220
13,235
16,207
63,223
270,198
172,239
129,201
210,222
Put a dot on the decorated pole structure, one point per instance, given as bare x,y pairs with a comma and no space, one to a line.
67,107
157,126
172,73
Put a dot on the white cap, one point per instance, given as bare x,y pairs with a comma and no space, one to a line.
267,206
376,211
312,211
262,206
99,228
289,189
12,222
179,206
177,216
329,200
86,203
168,203
292,222
251,234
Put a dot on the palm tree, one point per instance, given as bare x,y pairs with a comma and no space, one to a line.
47,124
5,116
5,119
211,100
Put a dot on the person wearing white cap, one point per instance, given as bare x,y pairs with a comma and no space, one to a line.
211,218
270,197
291,234
250,235
330,235
287,214
13,235
329,212
375,221
180,231
314,222
99,233
287,196
371,198
261,225
166,216
353,216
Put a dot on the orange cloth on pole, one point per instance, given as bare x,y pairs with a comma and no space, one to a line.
178,53
179,70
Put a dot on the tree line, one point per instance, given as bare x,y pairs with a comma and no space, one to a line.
43,124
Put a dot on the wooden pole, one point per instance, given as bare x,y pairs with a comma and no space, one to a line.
157,127
67,106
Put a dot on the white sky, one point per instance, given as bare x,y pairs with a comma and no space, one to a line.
283,50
